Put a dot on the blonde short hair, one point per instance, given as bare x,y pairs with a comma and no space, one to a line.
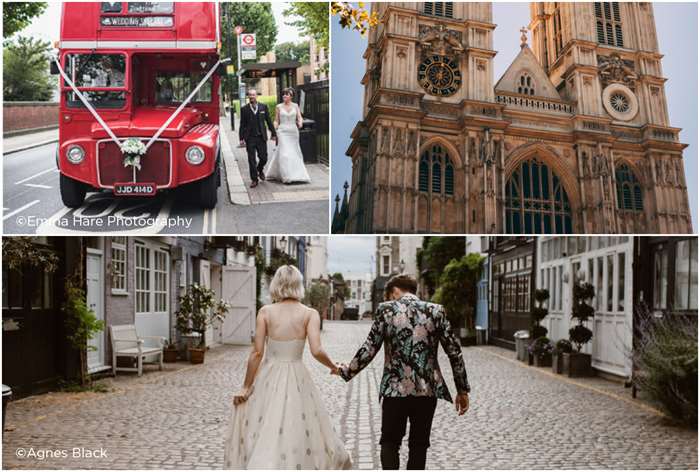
287,283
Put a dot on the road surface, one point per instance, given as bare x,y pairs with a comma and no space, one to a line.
32,205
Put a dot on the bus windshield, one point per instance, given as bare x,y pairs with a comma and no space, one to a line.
97,70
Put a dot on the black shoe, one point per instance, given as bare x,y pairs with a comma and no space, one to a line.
261,175
254,184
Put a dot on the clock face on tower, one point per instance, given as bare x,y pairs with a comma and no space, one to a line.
439,75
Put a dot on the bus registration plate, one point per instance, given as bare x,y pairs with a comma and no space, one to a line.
134,189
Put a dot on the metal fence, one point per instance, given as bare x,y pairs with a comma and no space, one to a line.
316,101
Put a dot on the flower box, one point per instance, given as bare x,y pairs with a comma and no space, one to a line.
543,360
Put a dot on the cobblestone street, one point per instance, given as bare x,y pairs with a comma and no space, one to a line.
521,417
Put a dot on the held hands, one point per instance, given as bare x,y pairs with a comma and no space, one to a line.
242,396
462,403
336,369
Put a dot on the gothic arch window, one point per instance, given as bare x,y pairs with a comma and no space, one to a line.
526,85
608,23
444,9
536,202
558,44
629,190
436,172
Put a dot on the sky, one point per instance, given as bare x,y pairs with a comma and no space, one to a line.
47,26
677,26
354,254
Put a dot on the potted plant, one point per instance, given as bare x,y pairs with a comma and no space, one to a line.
538,313
170,352
563,346
577,363
194,316
541,351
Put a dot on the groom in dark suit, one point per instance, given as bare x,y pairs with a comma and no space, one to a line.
410,330
252,133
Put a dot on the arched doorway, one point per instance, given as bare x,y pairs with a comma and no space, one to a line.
536,202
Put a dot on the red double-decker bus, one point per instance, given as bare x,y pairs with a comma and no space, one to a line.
126,71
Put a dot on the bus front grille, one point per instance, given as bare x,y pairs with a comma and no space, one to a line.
155,165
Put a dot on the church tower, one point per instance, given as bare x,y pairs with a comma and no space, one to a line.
604,57
427,63
574,137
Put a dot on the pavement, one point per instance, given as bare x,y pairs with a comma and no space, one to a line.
521,417
22,142
269,191
32,204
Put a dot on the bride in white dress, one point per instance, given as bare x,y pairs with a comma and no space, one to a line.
279,420
287,163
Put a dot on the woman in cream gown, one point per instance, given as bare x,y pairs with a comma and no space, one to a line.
287,163
279,420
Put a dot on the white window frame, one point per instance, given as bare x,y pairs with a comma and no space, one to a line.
147,274
121,247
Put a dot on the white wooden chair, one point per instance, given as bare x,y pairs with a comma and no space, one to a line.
127,343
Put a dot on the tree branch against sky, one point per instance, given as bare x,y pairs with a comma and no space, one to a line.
18,15
354,17
311,19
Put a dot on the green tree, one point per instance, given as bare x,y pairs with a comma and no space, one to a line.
81,324
311,19
25,70
254,17
338,277
318,297
293,52
457,291
18,15
436,253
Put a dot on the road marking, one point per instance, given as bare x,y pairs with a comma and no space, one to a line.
49,226
561,378
37,186
22,208
36,175
205,222
213,221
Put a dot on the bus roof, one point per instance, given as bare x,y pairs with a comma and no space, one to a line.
140,25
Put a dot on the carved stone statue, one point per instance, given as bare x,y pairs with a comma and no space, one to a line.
615,69
440,40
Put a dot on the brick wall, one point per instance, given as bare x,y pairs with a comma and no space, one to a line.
22,116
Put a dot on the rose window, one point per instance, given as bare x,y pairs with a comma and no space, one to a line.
620,102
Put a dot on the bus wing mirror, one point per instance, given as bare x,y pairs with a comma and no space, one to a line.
53,68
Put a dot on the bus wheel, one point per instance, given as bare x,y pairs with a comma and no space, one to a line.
207,189
72,192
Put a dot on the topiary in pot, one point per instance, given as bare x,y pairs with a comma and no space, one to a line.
578,364
539,313
563,346
194,316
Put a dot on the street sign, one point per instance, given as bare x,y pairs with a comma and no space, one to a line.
230,69
247,46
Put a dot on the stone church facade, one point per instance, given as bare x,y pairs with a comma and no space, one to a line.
575,136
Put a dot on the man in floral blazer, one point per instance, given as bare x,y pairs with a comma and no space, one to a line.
410,330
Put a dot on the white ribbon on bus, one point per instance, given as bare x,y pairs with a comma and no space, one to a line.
104,125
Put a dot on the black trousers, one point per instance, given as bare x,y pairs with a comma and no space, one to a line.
396,412
253,145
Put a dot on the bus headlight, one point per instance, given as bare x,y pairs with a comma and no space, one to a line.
75,154
194,155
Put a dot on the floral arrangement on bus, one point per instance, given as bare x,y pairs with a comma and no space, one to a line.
133,149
